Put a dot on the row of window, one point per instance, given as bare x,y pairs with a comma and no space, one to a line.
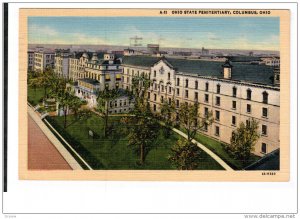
265,95
233,122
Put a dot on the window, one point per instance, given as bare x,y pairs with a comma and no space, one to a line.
264,112
148,95
162,99
154,75
162,88
217,115
170,90
186,82
247,122
120,103
170,101
218,88
206,86
264,130
177,91
205,127
169,76
177,103
233,104
186,94
155,86
178,81
217,131
196,96
154,97
265,97
233,120
206,98
206,111
196,84
234,91
218,100
154,107
263,148
248,108
249,94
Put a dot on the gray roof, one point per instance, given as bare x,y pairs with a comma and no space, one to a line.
259,74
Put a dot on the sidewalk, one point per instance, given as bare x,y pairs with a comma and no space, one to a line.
44,150
209,152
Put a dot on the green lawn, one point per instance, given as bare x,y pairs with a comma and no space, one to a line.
34,96
218,148
112,152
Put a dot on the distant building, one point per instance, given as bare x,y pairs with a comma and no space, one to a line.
204,51
43,59
30,63
129,52
153,48
271,61
61,62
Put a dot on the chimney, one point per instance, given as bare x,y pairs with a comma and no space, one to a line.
227,69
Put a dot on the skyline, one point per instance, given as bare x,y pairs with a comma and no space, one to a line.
242,33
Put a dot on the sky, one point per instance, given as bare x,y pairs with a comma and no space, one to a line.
249,33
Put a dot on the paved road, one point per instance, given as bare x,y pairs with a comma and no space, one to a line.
42,155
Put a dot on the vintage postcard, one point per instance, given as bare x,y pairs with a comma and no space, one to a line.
154,94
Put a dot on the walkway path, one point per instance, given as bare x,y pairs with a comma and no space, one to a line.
44,150
209,152
42,155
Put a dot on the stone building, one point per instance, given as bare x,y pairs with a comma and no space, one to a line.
61,62
233,92
43,59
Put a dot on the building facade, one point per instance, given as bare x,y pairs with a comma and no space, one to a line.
231,101
43,59
61,63
30,57
232,92
96,74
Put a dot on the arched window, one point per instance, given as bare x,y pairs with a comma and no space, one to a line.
265,97
249,92
196,84
218,88
206,86
234,91
186,82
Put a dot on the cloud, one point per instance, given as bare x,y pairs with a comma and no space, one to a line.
45,30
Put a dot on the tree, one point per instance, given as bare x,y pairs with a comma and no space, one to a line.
45,78
142,134
141,126
56,85
168,114
243,140
103,100
185,155
65,99
189,119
